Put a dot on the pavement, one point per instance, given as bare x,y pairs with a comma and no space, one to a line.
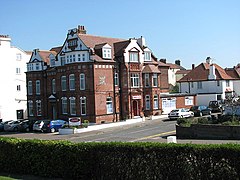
93,127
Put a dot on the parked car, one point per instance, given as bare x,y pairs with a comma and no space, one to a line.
53,125
25,126
216,106
12,126
2,124
201,110
37,126
180,113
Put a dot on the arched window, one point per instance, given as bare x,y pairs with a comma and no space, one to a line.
82,81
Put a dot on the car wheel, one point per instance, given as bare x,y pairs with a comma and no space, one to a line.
52,130
15,129
27,129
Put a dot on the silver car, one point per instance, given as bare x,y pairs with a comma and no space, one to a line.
37,126
12,126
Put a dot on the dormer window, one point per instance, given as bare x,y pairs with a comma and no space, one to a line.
147,56
72,44
106,53
133,56
52,62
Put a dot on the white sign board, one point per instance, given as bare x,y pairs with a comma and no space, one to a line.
74,121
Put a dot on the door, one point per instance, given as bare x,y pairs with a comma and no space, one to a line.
20,114
135,108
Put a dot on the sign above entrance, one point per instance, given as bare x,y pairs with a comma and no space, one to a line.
137,97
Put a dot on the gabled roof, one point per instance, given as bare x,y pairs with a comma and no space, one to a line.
119,47
44,54
175,66
162,64
201,72
233,72
150,68
182,71
56,49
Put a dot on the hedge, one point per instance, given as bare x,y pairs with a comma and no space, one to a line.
119,160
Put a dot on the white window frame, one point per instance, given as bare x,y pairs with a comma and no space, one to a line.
38,87
82,81
155,102
133,56
154,80
106,53
64,105
71,82
227,83
147,56
135,80
147,81
30,108
72,104
64,83
83,105
39,108
54,86
147,102
30,92
116,80
109,105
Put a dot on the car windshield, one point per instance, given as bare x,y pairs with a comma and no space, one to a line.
175,110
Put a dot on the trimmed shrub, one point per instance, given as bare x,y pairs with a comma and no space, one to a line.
118,160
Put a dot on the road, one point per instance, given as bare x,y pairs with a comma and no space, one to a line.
148,131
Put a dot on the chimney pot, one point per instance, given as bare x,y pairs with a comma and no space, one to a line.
178,62
193,66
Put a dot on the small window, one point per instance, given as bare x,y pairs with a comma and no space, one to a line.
82,81
38,90
18,57
39,108
106,53
83,105
199,85
30,108
72,106
155,80
18,71
109,105
147,56
155,101
116,81
64,83
64,105
18,87
147,83
29,87
53,86
218,83
147,102
227,83
71,82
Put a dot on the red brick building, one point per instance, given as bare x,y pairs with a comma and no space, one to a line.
96,78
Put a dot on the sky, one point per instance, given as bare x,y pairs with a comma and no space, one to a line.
188,30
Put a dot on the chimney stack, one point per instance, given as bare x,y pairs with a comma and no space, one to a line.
178,62
209,60
81,30
163,61
193,66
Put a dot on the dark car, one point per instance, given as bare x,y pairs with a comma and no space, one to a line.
25,126
53,125
201,110
216,106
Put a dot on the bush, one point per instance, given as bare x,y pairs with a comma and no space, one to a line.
203,120
118,160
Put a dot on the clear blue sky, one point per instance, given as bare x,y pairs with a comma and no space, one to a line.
189,30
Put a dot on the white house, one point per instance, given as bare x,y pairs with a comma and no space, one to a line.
209,81
13,99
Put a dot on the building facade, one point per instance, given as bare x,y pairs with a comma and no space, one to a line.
13,98
96,78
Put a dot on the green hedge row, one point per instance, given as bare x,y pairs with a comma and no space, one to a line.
118,160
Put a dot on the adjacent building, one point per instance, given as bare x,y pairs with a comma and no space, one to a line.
13,98
210,82
100,79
